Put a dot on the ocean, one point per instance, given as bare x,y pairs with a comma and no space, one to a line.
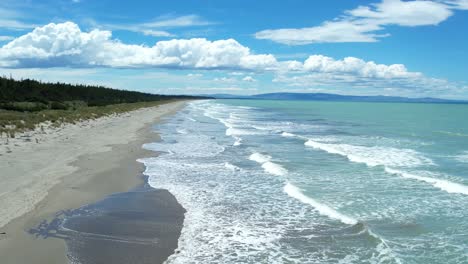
316,182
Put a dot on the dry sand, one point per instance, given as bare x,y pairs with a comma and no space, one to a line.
69,167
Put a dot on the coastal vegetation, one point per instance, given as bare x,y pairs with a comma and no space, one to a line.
24,104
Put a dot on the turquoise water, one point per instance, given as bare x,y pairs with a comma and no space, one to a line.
317,182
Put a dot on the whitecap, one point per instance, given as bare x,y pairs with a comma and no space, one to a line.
274,168
260,158
238,141
267,165
374,156
463,158
448,186
322,209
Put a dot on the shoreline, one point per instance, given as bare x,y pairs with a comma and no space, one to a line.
79,166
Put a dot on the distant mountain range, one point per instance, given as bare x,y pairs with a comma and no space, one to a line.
335,97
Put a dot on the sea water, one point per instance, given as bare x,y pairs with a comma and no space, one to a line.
316,182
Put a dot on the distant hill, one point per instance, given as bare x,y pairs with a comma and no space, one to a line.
335,97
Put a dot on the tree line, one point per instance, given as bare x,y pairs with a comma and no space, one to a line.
34,95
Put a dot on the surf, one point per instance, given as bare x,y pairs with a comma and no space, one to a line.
267,165
296,193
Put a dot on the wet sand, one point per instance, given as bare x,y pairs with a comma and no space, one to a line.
79,166
139,226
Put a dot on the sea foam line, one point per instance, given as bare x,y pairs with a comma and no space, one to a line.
445,185
372,161
267,165
323,209
294,192
462,157
373,156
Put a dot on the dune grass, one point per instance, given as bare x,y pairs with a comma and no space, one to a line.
14,122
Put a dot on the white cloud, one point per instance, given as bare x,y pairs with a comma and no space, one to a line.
65,45
457,4
154,28
194,75
237,73
404,13
225,80
6,38
366,23
357,67
248,79
334,31
181,21
156,33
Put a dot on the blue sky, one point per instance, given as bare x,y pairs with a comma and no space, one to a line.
386,47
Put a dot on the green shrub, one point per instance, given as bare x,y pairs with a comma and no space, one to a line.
24,106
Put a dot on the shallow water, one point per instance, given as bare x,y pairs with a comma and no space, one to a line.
138,226
317,182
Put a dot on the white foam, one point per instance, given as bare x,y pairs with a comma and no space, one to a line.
462,157
231,166
448,186
190,146
231,131
374,156
286,134
267,165
238,141
385,251
274,168
260,158
182,131
231,233
323,209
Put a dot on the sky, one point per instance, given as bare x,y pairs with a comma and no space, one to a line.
412,48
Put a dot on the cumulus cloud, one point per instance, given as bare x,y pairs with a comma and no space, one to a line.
65,45
357,67
366,23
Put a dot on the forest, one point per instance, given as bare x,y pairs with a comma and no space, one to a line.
31,95
27,104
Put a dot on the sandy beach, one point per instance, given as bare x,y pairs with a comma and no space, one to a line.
66,168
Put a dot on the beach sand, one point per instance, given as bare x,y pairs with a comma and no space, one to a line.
70,167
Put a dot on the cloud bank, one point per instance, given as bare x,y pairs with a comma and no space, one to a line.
58,45
65,45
